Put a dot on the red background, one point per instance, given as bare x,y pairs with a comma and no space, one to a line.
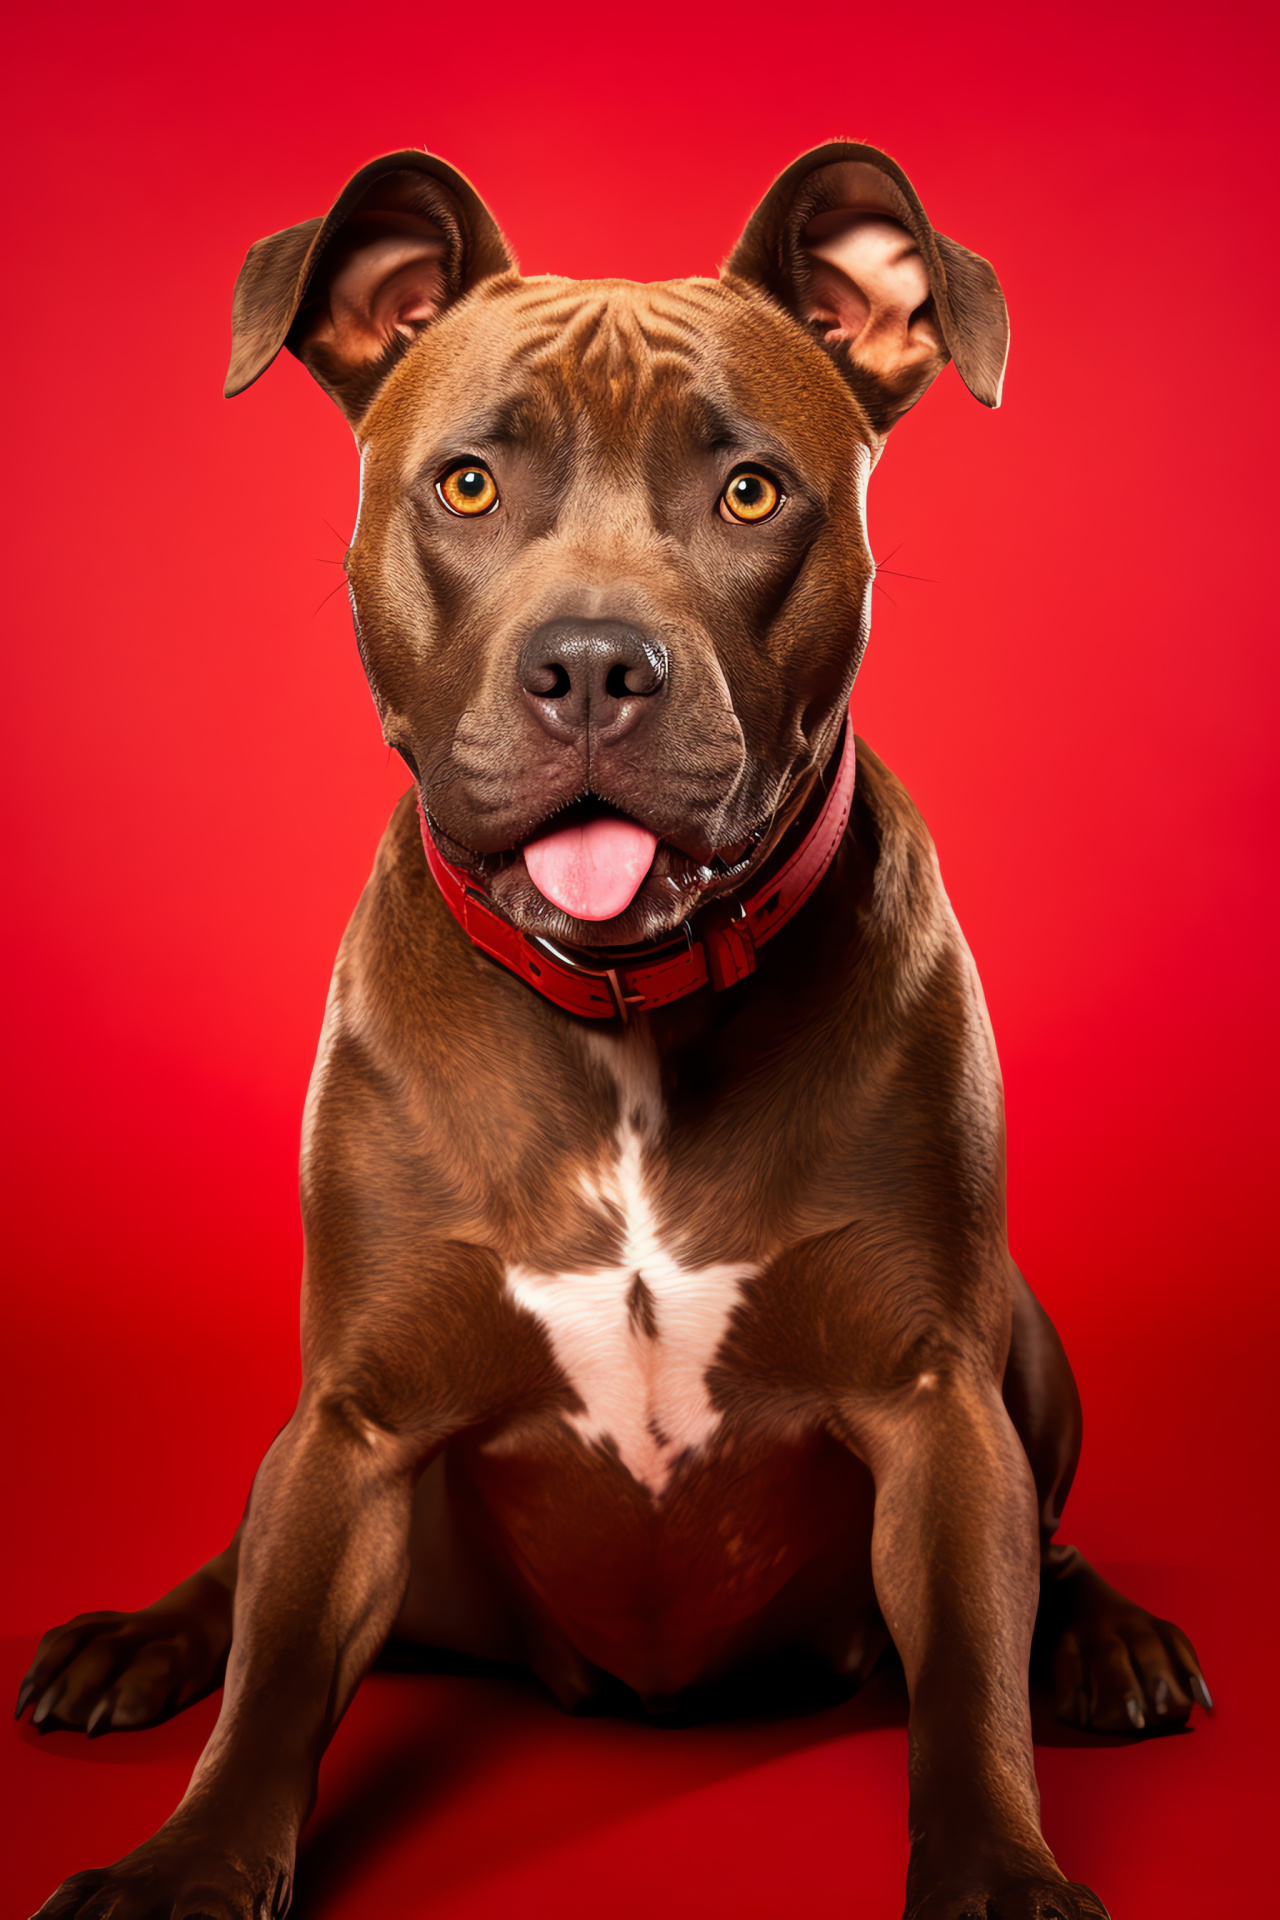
1079,692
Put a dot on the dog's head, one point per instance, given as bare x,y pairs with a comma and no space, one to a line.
610,575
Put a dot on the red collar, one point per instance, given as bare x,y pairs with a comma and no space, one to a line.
723,953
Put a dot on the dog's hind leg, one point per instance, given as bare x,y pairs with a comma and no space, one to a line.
1113,1666
112,1672
1044,1406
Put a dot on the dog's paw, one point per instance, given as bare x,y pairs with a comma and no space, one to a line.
1022,1899
105,1672
198,1874
1114,1667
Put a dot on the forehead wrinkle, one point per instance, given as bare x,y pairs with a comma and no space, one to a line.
677,321
633,330
574,331
669,410
623,367
631,369
619,321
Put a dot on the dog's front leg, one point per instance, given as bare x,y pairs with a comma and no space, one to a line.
323,1567
956,1567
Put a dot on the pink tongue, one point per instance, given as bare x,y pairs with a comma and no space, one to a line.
592,871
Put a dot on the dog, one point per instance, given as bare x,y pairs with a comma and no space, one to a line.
659,1321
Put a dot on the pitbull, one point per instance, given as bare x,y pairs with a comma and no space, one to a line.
659,1322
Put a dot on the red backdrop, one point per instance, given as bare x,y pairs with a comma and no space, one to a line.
1076,683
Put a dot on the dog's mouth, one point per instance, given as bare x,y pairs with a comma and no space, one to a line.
592,875
591,862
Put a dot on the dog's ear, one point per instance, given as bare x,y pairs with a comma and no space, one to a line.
842,241
406,237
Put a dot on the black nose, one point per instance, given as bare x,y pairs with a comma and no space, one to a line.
597,674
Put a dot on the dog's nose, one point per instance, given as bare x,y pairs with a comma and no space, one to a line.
597,674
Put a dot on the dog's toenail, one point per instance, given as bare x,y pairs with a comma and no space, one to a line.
45,1705
99,1720
1162,1696
1200,1693
1136,1716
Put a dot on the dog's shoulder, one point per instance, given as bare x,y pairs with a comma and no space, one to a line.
912,1004
906,924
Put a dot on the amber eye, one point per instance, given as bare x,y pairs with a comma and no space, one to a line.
468,489
751,496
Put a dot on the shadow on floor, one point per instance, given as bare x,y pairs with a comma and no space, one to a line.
553,1777
487,1747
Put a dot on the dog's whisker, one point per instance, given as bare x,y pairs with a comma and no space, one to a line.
328,597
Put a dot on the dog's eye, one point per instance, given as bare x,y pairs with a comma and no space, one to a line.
468,489
751,496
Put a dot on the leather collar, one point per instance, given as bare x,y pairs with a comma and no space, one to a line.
722,953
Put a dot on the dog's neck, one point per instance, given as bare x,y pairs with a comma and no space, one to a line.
643,979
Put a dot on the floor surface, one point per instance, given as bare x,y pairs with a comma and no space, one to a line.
452,1798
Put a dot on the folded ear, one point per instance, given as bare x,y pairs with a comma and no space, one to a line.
348,293
842,241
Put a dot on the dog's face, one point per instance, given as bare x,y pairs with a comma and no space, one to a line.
652,599
610,574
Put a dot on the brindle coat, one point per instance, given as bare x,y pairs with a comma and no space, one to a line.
639,1354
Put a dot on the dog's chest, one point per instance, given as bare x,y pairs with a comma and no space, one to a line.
635,1339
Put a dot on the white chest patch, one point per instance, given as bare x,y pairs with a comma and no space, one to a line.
636,1340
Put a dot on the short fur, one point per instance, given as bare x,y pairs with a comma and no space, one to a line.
639,1354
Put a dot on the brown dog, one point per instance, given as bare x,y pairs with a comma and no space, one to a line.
659,1319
